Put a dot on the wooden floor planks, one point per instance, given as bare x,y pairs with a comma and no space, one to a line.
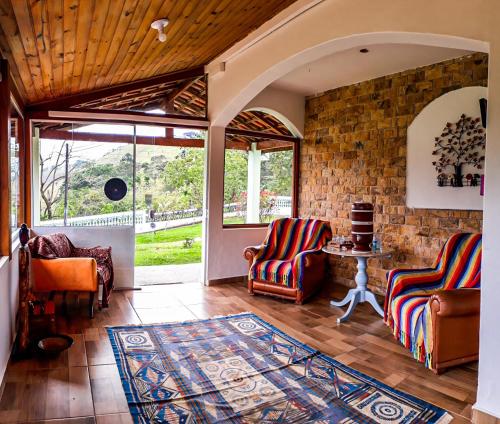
82,386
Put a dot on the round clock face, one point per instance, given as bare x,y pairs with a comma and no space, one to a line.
115,189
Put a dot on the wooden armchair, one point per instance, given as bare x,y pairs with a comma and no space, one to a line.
58,266
290,263
434,312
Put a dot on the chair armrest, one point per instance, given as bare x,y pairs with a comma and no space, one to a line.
64,274
100,254
311,258
251,252
454,303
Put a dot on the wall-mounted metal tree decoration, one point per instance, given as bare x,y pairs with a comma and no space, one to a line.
461,143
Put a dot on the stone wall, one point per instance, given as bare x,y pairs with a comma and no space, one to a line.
355,149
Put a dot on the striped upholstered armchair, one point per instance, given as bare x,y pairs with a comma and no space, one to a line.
434,312
290,263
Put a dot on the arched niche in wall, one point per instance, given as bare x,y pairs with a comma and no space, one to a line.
422,190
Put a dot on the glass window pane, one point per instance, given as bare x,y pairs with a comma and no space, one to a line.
258,180
75,163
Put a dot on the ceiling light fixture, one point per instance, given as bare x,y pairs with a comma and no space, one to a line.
160,25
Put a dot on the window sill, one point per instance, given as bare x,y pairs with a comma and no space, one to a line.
15,243
236,226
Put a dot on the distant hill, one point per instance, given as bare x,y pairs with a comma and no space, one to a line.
144,153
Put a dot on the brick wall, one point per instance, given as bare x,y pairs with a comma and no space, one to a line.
355,149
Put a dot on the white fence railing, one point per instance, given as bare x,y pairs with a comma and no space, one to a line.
282,207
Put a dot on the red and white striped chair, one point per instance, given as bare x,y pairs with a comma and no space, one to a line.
290,263
434,312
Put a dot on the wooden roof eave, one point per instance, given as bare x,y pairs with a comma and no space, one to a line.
86,97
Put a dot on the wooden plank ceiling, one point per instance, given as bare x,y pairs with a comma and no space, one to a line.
61,47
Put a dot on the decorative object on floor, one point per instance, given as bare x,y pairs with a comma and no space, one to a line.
241,369
115,189
434,312
42,321
289,264
362,226
461,143
23,333
54,345
361,293
57,265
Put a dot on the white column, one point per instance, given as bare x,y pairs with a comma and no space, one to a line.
253,187
488,394
35,176
214,252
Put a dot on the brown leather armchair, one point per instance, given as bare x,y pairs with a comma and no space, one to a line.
434,311
290,263
455,327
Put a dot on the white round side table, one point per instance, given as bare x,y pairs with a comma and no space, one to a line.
361,293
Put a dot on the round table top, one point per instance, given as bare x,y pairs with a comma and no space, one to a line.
382,253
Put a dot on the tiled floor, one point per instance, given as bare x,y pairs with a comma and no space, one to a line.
167,274
82,386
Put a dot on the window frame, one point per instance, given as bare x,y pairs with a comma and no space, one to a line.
10,103
295,183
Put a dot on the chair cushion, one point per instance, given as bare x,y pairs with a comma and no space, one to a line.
274,271
52,246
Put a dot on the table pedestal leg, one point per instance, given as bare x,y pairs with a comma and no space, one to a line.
372,300
358,295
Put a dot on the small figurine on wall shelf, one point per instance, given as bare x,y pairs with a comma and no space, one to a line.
461,143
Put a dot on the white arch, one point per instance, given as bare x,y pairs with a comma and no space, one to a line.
221,114
334,25
284,120
288,107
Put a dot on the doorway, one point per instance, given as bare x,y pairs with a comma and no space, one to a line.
169,184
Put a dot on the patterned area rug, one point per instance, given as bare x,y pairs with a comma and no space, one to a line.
240,369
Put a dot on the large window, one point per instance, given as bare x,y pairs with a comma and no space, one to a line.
74,164
14,174
258,181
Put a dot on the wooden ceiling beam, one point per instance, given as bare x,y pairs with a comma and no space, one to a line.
180,89
120,138
261,135
76,99
106,102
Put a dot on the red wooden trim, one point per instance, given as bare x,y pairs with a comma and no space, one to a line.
119,117
295,179
121,138
5,233
16,98
261,134
226,226
76,99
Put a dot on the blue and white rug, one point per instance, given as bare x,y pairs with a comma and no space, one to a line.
240,369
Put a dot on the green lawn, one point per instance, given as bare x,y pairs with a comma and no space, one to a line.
167,247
